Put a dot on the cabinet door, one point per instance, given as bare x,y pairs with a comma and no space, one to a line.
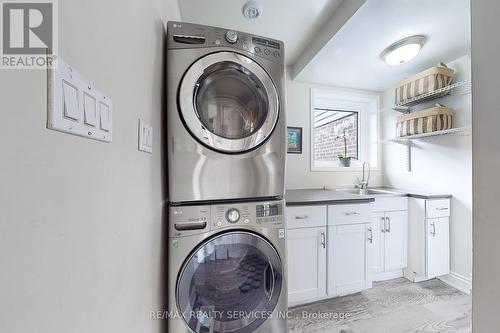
306,257
348,259
378,252
438,246
396,240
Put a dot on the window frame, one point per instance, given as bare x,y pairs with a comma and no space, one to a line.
367,104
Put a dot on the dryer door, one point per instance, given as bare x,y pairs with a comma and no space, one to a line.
228,102
231,283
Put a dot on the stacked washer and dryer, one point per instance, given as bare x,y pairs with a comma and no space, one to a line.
226,167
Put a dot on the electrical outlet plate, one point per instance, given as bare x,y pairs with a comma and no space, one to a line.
145,135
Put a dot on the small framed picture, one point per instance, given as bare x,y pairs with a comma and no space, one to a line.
294,140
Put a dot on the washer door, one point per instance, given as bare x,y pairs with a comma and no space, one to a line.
231,283
228,102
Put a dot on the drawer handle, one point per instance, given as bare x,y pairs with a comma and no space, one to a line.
383,221
388,229
433,232
352,213
441,208
323,240
370,237
301,217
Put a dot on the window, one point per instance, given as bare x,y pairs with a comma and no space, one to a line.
343,123
335,134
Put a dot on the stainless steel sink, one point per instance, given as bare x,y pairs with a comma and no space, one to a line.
368,191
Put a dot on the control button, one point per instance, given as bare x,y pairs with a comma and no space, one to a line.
245,46
267,52
276,54
257,49
217,42
233,215
246,220
219,223
231,36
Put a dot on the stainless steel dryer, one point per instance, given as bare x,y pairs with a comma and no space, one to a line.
227,268
225,116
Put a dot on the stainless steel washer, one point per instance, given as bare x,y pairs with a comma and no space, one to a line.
227,268
225,116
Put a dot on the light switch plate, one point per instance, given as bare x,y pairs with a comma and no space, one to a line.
145,135
76,107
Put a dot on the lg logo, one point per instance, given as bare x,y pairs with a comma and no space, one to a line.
28,28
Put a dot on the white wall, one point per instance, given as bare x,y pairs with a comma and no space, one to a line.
298,169
441,165
486,165
80,220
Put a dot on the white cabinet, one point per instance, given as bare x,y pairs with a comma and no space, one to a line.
429,241
350,239
390,238
306,253
438,246
395,240
348,258
306,264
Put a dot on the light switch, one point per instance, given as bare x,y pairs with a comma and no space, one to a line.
149,140
145,137
106,117
76,107
71,109
90,110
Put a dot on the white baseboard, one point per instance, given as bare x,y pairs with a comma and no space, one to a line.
457,281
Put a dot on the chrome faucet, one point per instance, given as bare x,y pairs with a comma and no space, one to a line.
363,183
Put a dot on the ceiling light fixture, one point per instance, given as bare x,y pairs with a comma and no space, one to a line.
403,50
251,10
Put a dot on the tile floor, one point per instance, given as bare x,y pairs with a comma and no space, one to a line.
394,306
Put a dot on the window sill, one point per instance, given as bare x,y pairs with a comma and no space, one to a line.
341,169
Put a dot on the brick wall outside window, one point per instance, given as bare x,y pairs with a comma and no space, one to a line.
326,148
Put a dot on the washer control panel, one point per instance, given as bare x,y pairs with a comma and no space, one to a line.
268,214
198,219
188,35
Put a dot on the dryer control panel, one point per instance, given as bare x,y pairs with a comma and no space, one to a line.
182,35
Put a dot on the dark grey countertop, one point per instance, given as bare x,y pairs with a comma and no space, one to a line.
417,194
302,197
323,197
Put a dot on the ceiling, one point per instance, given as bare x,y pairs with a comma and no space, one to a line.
352,57
295,22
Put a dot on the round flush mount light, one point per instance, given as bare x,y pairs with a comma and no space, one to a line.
403,50
251,10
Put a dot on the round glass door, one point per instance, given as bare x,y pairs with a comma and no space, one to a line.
231,283
228,102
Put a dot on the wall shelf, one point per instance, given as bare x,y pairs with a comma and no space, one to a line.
405,106
405,140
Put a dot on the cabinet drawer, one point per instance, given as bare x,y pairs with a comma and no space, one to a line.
390,204
305,216
437,208
350,214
